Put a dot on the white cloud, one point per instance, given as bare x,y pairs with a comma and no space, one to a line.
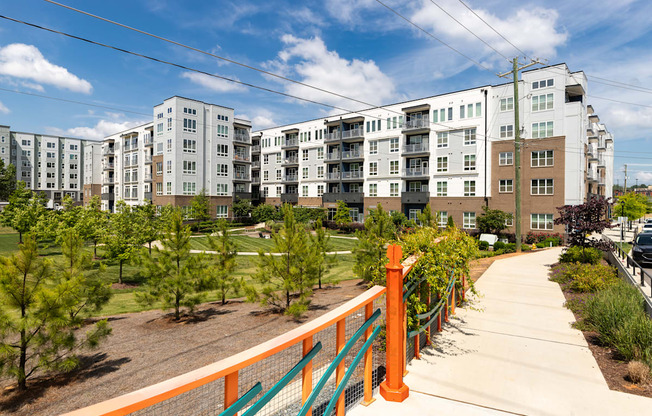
214,84
4,109
311,62
101,129
26,62
644,177
262,119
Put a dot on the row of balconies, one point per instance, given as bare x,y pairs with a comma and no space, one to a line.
242,136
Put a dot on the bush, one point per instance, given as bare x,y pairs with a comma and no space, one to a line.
533,238
483,245
541,245
526,247
638,372
511,248
499,245
577,254
556,241
586,278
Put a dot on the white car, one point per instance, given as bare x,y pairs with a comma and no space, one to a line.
647,227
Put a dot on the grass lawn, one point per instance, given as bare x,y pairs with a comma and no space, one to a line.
252,244
8,243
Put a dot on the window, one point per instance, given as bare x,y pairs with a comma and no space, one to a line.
222,131
304,191
265,175
509,222
222,117
393,189
189,167
373,147
478,109
542,102
265,159
393,145
462,111
505,186
278,174
442,188
190,145
507,104
189,188
469,188
469,137
541,221
442,164
506,158
320,190
393,167
542,130
373,189
168,188
222,169
168,166
543,84
469,220
469,162
169,123
413,214
50,145
304,155
278,158
320,153
304,173
50,155
373,168
541,187
506,131
442,139
223,150
542,158
221,211
389,123
450,113
159,188
443,219
169,145
189,125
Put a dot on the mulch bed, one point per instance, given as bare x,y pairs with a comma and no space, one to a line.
613,367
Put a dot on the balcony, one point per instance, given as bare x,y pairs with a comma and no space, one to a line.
415,172
148,159
109,196
353,175
415,197
418,123
291,178
412,149
290,198
332,137
241,195
108,180
241,176
347,197
291,161
255,149
108,166
110,151
148,176
147,196
333,157
601,163
241,157
353,154
255,164
602,145
242,137
333,176
294,142
255,180
591,176
356,133
148,141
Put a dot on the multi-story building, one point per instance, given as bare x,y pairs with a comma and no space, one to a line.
92,160
454,151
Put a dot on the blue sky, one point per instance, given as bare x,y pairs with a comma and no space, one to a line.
357,48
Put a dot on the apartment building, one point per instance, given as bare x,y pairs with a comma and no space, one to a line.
92,161
454,151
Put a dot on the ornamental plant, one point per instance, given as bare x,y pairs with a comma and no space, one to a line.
585,219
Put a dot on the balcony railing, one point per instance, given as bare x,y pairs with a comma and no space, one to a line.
242,137
148,176
255,149
109,165
109,151
348,197
416,172
148,158
291,161
147,196
333,156
331,137
417,197
255,164
356,132
148,140
352,154
333,176
241,176
291,143
242,157
290,197
108,196
417,123
416,148
354,174
108,180
291,178
255,180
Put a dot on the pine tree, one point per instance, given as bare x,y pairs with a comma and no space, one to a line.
24,210
320,245
149,224
224,261
93,223
370,252
122,239
426,218
201,206
174,276
342,214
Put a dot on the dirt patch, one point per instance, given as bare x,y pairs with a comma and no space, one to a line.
148,347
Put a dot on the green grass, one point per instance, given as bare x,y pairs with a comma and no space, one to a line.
252,244
625,246
8,243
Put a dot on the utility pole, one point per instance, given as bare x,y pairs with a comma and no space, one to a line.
517,149
625,187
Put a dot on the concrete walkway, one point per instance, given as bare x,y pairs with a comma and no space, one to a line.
512,352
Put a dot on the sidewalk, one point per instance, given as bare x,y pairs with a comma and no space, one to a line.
512,352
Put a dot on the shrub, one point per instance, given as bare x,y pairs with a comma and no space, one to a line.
638,372
580,254
510,248
499,245
584,278
532,238
483,245
526,247
541,245
556,241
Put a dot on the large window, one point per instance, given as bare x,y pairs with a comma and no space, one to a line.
304,191
469,162
188,125
542,158
373,168
190,145
542,130
469,188
542,102
222,189
373,189
442,188
505,185
222,169
222,211
393,167
541,221
442,164
442,139
393,189
223,150
506,131
189,167
469,137
320,172
469,220
304,173
506,158
443,219
320,153
542,187
189,188
373,147
393,145
507,104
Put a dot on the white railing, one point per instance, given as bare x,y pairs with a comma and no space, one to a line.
332,136
334,175
354,174
416,171
352,154
416,148
356,132
417,123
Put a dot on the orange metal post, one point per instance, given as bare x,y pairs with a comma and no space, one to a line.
230,389
368,361
393,389
306,374
339,372
453,301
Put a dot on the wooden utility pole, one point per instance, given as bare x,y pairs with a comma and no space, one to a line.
625,190
517,149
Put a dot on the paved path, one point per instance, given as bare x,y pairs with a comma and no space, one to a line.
251,253
513,352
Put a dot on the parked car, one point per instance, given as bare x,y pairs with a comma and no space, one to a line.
647,227
642,248
648,221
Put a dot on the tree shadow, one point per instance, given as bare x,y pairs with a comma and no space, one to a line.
90,367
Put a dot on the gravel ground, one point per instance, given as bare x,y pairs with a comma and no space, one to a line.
146,348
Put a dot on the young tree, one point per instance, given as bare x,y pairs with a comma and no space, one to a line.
8,181
264,213
289,273
320,245
24,210
122,239
93,223
37,329
241,208
149,224
342,215
224,261
585,219
370,253
426,218
492,221
201,206
631,205
174,276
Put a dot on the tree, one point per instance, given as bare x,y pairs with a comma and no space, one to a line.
241,208
93,223
224,261
585,219
290,273
264,213
201,206
320,245
426,218
24,210
492,221
450,223
122,239
8,181
370,253
174,276
37,329
149,224
631,205
342,215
